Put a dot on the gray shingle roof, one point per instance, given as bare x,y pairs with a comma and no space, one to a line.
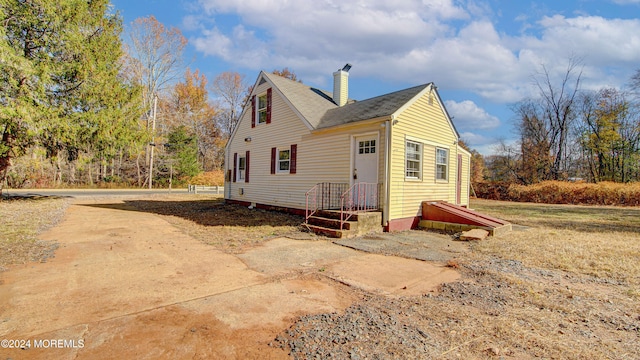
318,108
379,106
310,102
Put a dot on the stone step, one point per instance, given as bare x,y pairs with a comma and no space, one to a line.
331,223
334,233
335,214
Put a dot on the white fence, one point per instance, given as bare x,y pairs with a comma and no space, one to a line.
205,188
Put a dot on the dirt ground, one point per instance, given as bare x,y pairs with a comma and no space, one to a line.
127,284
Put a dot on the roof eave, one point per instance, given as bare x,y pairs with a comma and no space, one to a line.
353,124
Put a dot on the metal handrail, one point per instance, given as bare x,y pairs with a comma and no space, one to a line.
361,197
313,192
323,196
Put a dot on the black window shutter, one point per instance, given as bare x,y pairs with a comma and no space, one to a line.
269,106
235,166
253,111
246,167
273,160
294,154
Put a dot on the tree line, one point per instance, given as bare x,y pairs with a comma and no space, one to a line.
85,102
570,133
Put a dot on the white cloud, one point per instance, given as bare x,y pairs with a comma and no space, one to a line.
417,41
467,115
626,2
190,23
334,32
215,43
598,39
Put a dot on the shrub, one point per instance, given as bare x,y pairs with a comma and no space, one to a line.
561,192
209,178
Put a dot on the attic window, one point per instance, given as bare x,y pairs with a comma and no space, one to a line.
262,109
262,81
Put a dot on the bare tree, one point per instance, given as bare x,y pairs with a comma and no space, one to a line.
558,107
155,55
154,60
545,126
231,89
635,81
503,165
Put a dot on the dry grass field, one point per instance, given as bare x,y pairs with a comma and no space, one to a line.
564,285
21,220
598,241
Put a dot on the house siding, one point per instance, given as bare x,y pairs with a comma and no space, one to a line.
284,130
321,157
466,177
424,122
327,155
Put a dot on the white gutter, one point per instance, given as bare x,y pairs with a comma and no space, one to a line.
387,173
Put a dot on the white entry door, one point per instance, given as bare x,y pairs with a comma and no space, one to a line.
365,170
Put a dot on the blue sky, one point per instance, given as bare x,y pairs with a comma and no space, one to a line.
482,54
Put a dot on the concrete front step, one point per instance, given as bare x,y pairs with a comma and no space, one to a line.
329,232
328,223
331,223
335,214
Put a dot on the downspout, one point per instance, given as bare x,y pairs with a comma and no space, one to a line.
387,174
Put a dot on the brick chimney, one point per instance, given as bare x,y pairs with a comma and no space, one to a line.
341,85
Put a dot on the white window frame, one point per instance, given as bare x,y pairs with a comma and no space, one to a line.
261,110
242,168
418,152
366,146
444,164
280,161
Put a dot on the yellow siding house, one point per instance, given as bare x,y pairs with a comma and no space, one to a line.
297,148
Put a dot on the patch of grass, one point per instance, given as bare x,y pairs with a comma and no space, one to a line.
23,219
603,242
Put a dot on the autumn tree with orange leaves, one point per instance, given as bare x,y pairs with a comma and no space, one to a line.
188,105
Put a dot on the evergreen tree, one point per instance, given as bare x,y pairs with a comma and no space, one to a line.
183,150
59,83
